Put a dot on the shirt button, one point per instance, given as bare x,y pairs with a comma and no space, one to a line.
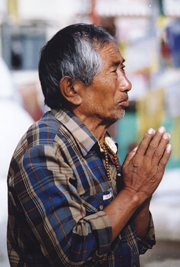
101,207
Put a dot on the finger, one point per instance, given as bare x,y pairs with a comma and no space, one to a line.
129,156
164,159
154,144
145,142
161,149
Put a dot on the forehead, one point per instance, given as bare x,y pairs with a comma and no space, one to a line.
110,54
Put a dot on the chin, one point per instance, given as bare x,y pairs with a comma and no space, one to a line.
116,117
121,115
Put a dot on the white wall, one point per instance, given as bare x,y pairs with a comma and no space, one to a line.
61,12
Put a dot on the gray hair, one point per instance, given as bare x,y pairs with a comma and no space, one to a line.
73,52
87,63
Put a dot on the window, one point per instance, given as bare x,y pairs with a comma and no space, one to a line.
21,46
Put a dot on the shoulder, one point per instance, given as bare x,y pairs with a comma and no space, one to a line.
40,133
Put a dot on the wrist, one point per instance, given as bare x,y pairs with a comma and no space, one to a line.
136,197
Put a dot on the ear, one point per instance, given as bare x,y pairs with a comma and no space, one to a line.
70,90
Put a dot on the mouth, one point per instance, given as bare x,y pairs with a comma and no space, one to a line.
124,102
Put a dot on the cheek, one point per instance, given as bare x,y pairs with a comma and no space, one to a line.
105,91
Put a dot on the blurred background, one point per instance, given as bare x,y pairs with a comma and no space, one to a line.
148,35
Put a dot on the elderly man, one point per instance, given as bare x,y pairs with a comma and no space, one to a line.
70,202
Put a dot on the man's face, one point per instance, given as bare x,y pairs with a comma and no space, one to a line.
106,98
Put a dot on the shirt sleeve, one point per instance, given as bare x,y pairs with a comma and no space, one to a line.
149,240
54,210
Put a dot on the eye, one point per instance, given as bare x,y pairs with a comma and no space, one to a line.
114,71
123,68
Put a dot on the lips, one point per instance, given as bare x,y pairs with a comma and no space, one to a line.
124,102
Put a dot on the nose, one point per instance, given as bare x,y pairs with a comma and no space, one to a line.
125,84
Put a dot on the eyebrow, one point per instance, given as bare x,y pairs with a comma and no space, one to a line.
117,63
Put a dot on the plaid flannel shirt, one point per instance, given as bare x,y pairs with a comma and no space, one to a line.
57,190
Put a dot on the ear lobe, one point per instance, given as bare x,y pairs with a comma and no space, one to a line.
69,90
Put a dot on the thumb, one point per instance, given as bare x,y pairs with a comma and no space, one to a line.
129,156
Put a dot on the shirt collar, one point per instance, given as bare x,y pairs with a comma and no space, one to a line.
84,137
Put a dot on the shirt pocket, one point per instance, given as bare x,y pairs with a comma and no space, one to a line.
97,202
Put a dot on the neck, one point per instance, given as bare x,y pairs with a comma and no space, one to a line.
94,124
97,125
98,130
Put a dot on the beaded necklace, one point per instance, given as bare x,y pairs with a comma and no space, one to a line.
105,147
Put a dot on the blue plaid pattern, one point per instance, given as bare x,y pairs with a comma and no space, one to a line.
56,188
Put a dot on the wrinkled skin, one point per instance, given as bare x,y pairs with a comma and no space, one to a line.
143,168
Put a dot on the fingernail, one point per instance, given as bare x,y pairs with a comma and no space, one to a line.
167,136
161,129
168,148
151,130
135,148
